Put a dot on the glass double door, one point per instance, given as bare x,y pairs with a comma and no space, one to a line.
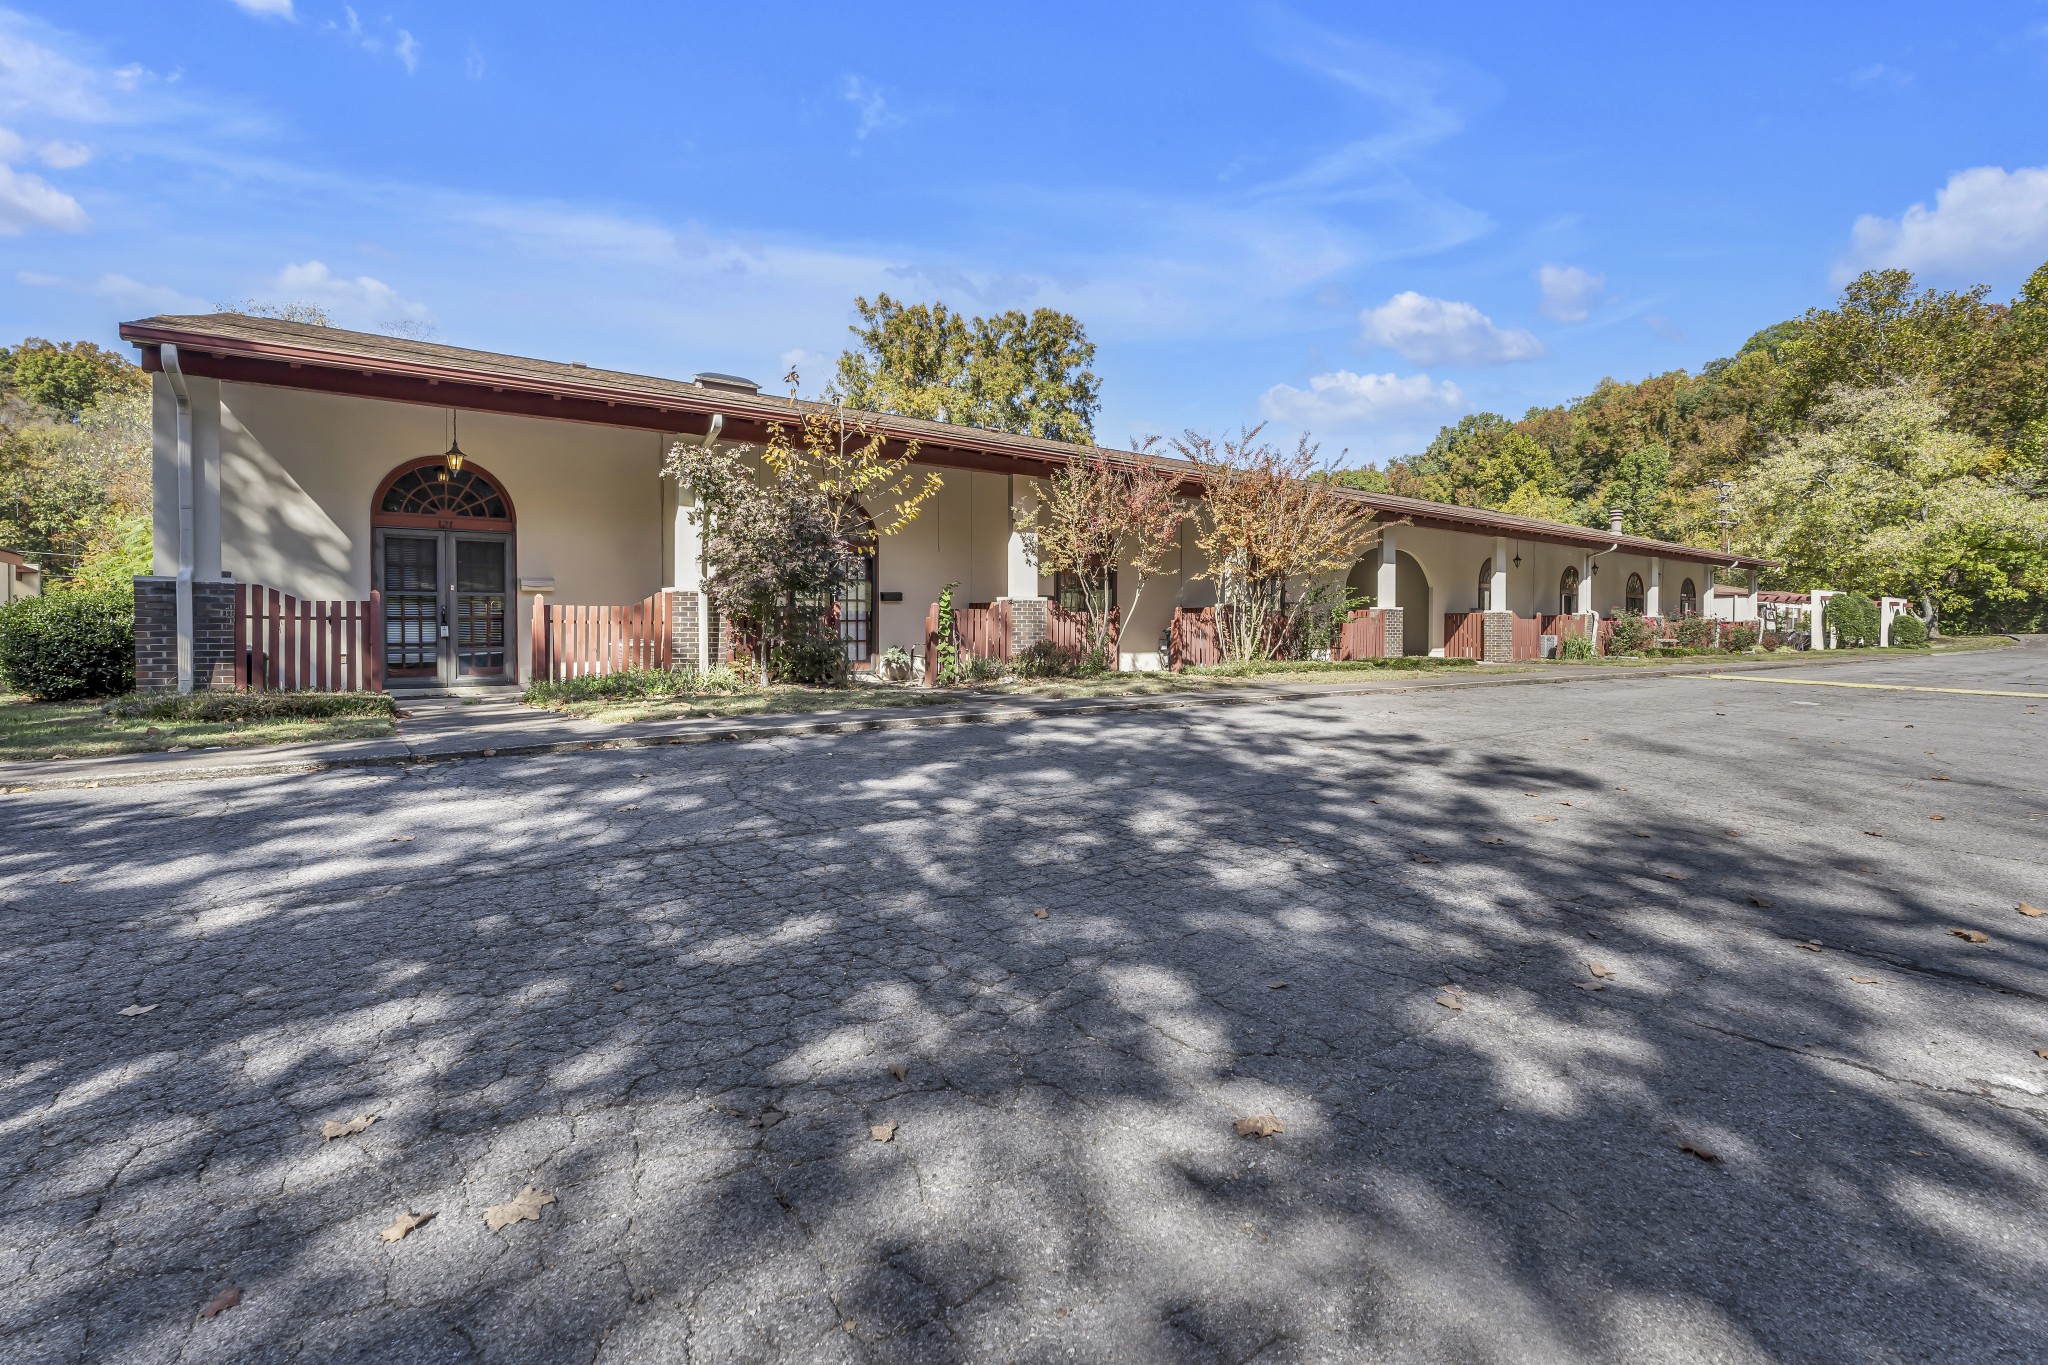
445,607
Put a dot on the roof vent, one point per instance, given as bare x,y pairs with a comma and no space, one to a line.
578,365
731,382
1614,520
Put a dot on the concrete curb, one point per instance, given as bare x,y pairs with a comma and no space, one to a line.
130,770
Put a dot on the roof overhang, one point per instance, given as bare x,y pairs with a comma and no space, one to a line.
326,360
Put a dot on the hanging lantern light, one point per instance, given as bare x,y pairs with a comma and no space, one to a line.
454,457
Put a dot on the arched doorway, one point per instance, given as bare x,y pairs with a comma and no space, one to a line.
852,606
1568,591
1632,594
1486,585
1411,591
1688,599
443,559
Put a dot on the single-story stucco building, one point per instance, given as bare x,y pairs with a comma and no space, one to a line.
312,529
18,577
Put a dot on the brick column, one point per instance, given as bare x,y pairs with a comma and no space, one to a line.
156,635
684,609
1027,623
1394,639
1499,637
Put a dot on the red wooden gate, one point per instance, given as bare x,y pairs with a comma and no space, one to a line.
590,642
284,644
1364,635
1464,635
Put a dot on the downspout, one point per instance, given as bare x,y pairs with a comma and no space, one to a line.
188,548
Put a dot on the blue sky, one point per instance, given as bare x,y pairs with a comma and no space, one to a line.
1361,220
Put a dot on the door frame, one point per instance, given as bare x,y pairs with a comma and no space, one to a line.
445,677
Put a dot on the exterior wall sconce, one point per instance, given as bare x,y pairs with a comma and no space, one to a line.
454,457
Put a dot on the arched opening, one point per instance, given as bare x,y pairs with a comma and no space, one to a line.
1364,578
1486,586
852,606
1688,599
443,559
1632,596
1568,591
1411,594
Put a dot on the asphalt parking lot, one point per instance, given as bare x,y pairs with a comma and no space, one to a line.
1615,1021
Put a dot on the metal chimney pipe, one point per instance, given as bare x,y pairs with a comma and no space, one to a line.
1614,520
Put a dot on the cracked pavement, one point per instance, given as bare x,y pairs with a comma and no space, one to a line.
668,986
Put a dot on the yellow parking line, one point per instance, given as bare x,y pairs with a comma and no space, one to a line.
1876,687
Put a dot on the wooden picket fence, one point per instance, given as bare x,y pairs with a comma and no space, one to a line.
1068,630
287,644
1192,640
1464,635
1364,635
591,642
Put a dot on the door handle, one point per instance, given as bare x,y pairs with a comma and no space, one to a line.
444,621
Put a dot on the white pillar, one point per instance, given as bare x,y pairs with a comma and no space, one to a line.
1586,607
1020,574
1653,599
1497,592
1819,629
1389,584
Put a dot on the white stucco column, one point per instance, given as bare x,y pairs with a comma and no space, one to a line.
1388,594
1586,607
1020,575
1818,625
1653,598
1497,591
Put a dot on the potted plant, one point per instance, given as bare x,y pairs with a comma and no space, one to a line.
896,664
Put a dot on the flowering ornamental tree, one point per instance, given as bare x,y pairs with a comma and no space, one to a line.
1097,512
784,534
1272,523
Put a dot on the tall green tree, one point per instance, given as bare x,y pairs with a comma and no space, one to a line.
1020,372
63,377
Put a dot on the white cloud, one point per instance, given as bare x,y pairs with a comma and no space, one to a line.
1427,331
875,113
38,80
28,201
12,148
407,49
1877,73
268,9
63,156
399,43
362,301
1984,220
1342,400
129,293
1570,293
473,63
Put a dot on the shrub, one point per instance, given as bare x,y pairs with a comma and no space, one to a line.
64,645
975,668
1908,631
1771,641
225,706
1044,659
639,684
1577,647
1853,618
1629,634
810,653
1740,638
1694,632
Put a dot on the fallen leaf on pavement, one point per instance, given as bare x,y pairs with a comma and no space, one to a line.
1939,777
898,1070
337,1128
1547,819
404,1224
2031,911
1276,985
2041,1052
767,1118
1590,985
1732,833
1283,839
1873,834
1594,933
1258,1126
1676,876
1041,914
618,985
523,1207
1450,1002
1761,902
1702,1153
400,839
1937,817
1426,858
133,1010
1491,839
1600,969
1971,935
221,1302
66,881
1864,980
490,753
883,1132
1811,945
629,808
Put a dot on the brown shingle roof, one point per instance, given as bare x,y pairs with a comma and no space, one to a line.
295,344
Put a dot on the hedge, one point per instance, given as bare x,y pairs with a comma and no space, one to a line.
69,644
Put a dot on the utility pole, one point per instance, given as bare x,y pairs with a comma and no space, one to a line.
1724,495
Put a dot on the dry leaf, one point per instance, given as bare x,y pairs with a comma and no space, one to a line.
1864,980
404,1224
883,1132
1702,1153
618,985
1939,777
132,1010
1760,902
1041,914
401,839
333,1128
1811,945
629,808
1276,985
1547,819
1600,969
1450,1002
1873,834
1426,858
2031,911
1971,935
66,881
1732,833
1937,817
1491,839
2041,1052
1590,985
1594,933
490,753
899,1070
1258,1126
1676,876
767,1118
524,1207
1283,839
221,1302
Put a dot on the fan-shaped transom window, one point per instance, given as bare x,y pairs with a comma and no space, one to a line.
431,491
